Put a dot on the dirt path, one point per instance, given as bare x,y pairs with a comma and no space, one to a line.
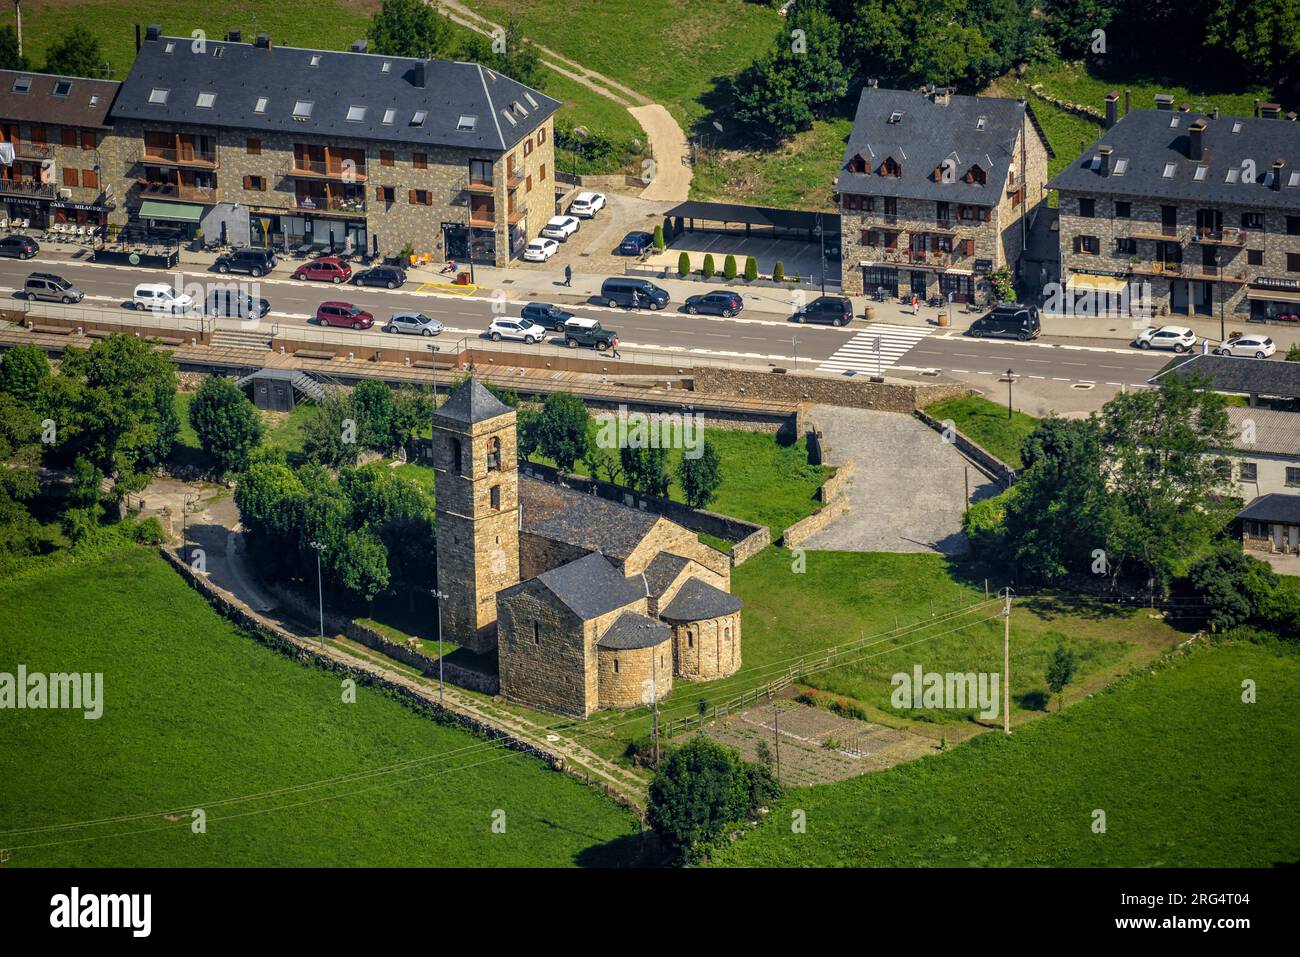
667,141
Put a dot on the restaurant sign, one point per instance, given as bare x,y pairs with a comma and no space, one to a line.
1272,282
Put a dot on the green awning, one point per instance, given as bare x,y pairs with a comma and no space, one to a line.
175,212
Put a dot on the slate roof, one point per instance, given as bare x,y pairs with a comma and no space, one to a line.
1147,141
697,600
1239,374
86,104
471,403
586,521
1273,507
631,630
1276,432
239,73
590,586
926,135
663,571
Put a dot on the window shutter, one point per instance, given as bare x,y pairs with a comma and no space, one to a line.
411,198
248,182
1078,244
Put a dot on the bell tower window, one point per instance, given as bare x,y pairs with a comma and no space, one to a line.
494,456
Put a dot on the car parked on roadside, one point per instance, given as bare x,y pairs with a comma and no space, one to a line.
635,243
229,303
521,329
835,310
51,288
632,293
255,262
540,250
586,205
160,297
561,227
326,269
1253,345
547,316
413,324
19,247
343,314
726,304
589,332
390,277
1178,338
1007,321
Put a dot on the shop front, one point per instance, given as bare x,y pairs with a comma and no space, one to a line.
957,285
308,233
466,243
876,277
168,222
1274,300
79,214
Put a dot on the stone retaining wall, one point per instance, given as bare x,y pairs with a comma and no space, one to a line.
802,530
857,393
985,461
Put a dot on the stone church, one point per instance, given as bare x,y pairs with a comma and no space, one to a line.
587,604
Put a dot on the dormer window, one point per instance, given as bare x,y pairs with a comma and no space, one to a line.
858,165
302,109
890,167
981,123
389,116
1200,173
976,176
387,67
218,52
1173,121
170,47
466,124
1236,127
1169,170
315,59
1121,167
896,117
22,84
260,105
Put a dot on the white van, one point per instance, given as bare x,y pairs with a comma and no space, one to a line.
160,297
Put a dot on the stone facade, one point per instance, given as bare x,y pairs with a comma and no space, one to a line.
708,649
896,396
631,677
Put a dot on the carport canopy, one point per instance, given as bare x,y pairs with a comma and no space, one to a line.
734,214
172,212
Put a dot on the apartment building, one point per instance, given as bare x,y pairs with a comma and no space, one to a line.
936,191
289,147
1204,208
52,130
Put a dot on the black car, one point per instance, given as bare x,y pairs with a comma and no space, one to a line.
234,304
631,293
255,262
1007,321
719,303
388,276
634,244
544,314
835,310
19,247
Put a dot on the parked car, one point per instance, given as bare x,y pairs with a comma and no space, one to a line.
547,316
561,227
1178,338
540,250
51,288
413,324
255,262
1007,322
635,243
19,247
588,332
836,310
390,277
160,297
632,293
522,329
234,304
325,269
1253,345
587,205
723,303
343,314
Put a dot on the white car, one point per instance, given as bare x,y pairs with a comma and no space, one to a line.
560,227
1178,338
522,329
540,250
1251,345
587,205
160,297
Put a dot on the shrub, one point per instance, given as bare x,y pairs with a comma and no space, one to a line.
149,532
660,244
708,271
751,269
1293,354
683,265
729,267
778,271
669,233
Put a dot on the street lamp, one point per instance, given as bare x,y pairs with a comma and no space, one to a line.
185,514
794,341
320,591
1218,287
821,242
439,597
433,366
1010,378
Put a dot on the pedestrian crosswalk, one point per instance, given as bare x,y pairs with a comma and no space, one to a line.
874,349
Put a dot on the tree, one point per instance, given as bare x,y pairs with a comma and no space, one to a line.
9,57
1060,669
509,53
700,477
372,403
563,430
25,374
769,102
708,271
668,231
645,469
75,53
751,269
20,459
778,272
1070,23
729,267
410,28
697,791
228,425
331,434
660,243
683,264
1234,587
84,504
1293,353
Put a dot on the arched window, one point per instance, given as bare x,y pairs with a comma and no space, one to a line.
493,454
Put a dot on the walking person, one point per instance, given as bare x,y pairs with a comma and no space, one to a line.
613,348
1205,346
568,275
915,304
636,299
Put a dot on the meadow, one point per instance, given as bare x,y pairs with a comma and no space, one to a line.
986,424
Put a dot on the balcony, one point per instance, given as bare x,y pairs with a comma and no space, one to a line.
33,151
482,187
178,192
515,216
27,187
348,205
1170,234
513,178
304,168
922,259
1158,269
1230,236
1217,274
482,218
196,159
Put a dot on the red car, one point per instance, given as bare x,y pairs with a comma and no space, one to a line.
343,314
325,269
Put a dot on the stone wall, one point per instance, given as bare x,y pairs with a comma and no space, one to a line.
628,674
540,652
984,460
705,650
891,396
837,485
806,528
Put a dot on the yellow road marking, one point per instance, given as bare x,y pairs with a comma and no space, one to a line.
430,287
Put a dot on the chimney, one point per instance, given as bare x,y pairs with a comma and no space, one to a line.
421,77
1291,116
235,36
873,83
1164,101
1128,98
1103,154
1214,113
263,41
941,96
1185,107
1270,111
358,46
1112,108
1277,173
1196,140
152,32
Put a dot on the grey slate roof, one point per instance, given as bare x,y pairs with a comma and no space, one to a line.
590,586
585,521
1273,507
1276,432
240,73
86,103
926,135
663,571
697,600
631,630
1239,374
1146,140
471,403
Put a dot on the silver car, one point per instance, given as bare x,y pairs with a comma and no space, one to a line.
413,323
51,288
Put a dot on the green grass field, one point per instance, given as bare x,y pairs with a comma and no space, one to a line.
799,174
986,423
1186,774
196,714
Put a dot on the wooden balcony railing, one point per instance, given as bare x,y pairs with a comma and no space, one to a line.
27,187
328,169
1220,237
181,157
41,151
331,204
179,192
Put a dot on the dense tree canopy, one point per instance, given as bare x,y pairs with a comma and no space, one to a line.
228,425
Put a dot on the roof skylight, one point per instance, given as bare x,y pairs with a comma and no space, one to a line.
206,100
356,114
1169,170
302,108
466,123
157,96
260,105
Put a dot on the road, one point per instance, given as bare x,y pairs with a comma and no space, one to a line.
758,338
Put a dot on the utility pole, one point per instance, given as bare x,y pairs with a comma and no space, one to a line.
18,14
654,695
1006,660
1011,377
776,738
320,590
438,598
433,368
